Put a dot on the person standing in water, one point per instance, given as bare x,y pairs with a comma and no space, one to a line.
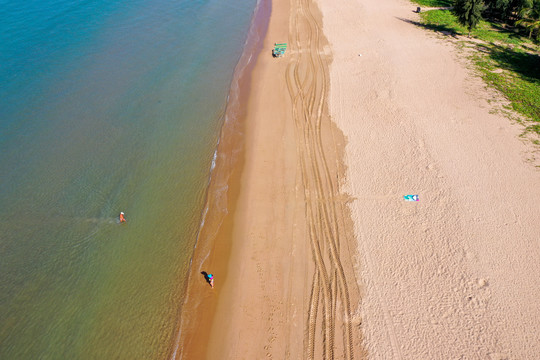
122,218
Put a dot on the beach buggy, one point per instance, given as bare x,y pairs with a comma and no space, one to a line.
279,49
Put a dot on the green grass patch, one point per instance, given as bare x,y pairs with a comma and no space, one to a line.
486,31
434,3
506,61
442,20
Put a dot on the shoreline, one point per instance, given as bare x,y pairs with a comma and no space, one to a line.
214,236
327,260
292,291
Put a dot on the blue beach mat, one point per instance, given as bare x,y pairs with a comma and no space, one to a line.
411,197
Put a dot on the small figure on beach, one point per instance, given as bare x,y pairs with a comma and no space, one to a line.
122,217
209,278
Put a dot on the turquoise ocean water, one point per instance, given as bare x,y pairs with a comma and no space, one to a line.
106,106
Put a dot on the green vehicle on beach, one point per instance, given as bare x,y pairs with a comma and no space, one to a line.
279,49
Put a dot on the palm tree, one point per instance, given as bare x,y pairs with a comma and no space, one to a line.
469,13
530,18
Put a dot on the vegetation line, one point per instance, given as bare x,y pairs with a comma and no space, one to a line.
505,38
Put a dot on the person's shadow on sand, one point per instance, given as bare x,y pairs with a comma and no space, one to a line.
205,274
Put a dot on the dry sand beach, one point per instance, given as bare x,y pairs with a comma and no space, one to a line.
325,259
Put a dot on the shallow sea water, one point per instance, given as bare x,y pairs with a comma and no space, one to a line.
106,106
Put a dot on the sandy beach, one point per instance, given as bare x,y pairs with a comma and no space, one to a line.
320,256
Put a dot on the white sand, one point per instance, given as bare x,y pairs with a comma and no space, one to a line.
457,274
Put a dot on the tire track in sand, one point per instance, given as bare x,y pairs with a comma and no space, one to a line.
307,83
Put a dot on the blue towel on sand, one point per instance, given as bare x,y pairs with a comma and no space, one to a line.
410,197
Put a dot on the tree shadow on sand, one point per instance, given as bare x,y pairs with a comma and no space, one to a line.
524,63
440,28
506,57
